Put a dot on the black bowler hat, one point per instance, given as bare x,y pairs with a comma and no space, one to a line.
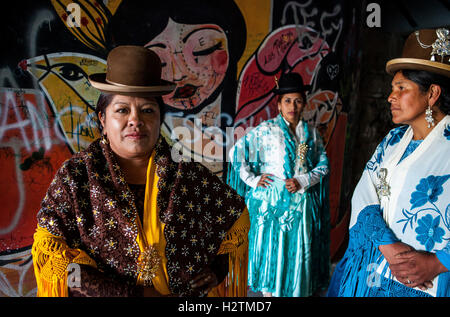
289,83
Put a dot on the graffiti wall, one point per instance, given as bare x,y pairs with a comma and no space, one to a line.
222,56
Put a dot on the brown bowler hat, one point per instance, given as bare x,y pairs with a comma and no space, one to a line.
427,49
132,70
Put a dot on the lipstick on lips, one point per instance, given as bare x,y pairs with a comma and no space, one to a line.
185,92
136,135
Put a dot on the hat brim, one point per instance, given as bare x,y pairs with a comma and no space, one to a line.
99,82
288,90
397,64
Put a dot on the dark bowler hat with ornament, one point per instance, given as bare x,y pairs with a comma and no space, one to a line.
132,70
289,83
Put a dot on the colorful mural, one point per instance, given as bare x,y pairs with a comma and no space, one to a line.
223,56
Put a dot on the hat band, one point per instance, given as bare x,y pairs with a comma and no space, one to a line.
122,85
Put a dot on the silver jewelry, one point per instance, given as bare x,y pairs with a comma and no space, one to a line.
383,188
429,117
441,46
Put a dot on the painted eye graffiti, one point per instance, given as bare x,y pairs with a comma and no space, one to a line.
207,51
70,72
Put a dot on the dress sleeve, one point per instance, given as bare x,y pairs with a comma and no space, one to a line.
241,154
366,206
320,170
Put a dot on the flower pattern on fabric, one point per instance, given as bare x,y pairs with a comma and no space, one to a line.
447,248
428,190
412,146
393,137
447,132
429,231
396,135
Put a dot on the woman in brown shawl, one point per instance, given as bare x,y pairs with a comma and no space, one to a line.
128,219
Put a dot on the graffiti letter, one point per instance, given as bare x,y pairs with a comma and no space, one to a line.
20,123
74,18
74,278
374,18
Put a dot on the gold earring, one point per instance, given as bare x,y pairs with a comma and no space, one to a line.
104,139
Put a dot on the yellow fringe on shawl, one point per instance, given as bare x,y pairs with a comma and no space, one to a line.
51,256
236,246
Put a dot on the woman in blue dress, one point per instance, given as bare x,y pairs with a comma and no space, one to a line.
400,223
281,169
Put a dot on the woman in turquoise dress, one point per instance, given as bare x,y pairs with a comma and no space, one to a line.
281,168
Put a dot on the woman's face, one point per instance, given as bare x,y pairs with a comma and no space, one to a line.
408,103
291,107
195,58
131,125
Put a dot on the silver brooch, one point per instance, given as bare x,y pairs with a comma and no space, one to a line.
383,188
441,46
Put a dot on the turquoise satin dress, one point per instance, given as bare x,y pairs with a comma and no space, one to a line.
289,234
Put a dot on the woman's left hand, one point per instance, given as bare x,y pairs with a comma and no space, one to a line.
419,269
204,282
292,185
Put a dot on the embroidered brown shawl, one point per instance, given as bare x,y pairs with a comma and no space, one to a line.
90,204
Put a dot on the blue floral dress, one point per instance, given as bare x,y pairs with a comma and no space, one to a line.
403,195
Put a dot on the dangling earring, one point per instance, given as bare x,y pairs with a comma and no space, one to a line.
104,139
429,117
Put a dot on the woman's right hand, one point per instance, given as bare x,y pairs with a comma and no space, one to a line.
391,253
265,180
391,250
